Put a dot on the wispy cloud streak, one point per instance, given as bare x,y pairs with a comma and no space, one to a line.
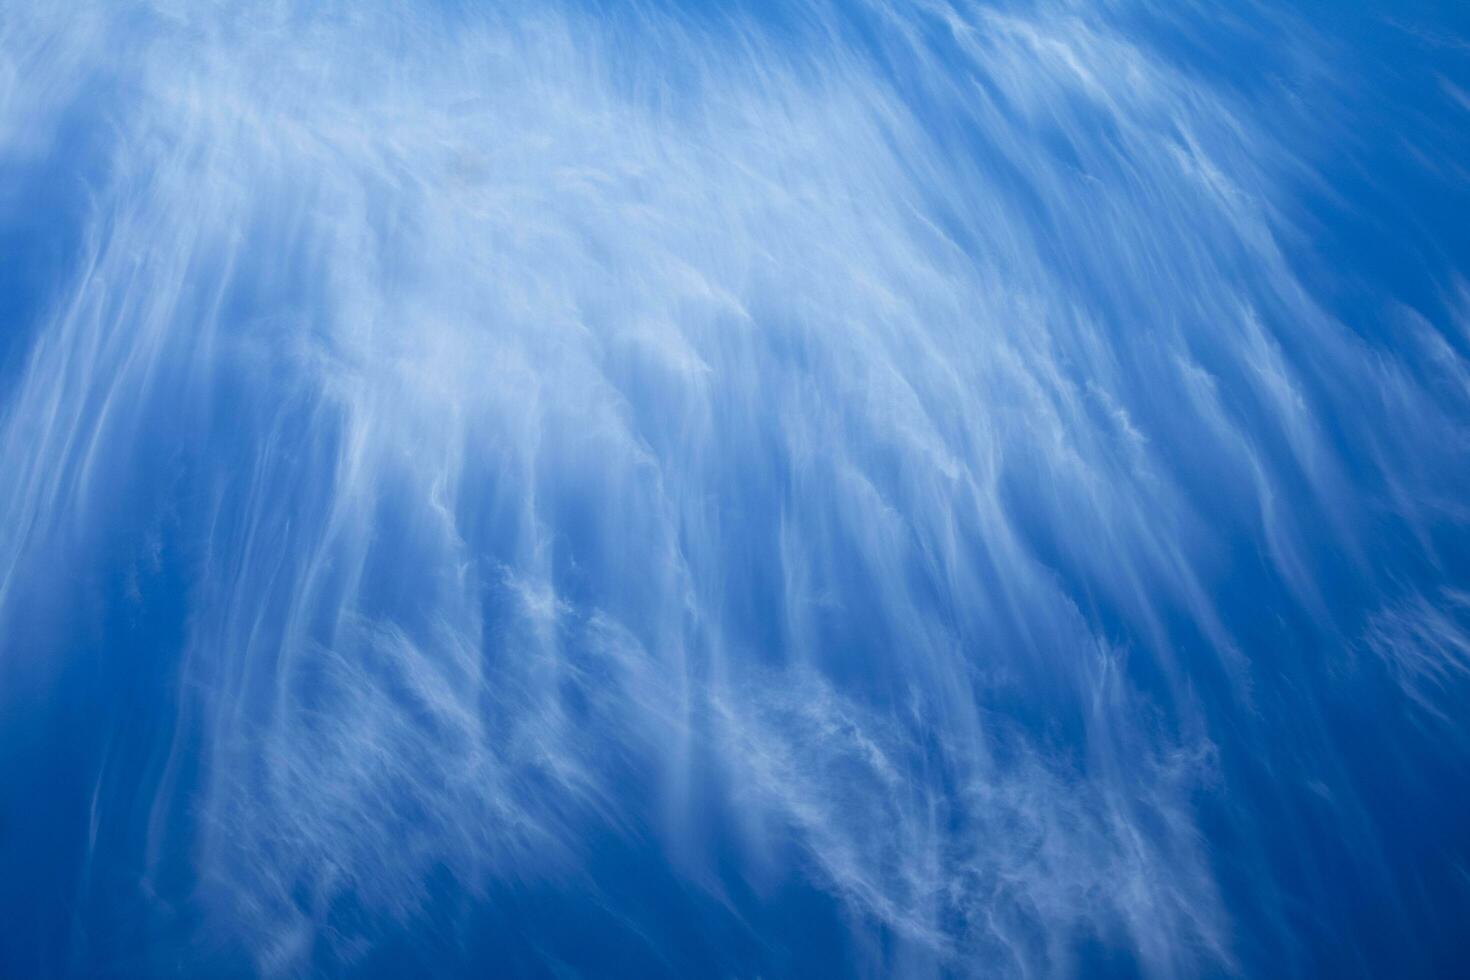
902,464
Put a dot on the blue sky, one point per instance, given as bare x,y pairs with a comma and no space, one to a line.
873,489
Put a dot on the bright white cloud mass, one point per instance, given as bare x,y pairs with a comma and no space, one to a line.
937,489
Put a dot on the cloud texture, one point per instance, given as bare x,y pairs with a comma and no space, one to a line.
936,489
